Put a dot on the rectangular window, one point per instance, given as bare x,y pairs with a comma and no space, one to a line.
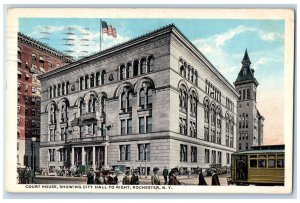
227,159
193,154
144,152
52,134
253,163
280,163
248,93
52,154
129,126
81,131
123,132
213,154
62,134
124,152
206,156
183,152
271,163
149,124
141,125
206,134
103,129
220,158
94,129
261,163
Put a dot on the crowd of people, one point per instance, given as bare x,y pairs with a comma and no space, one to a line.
119,178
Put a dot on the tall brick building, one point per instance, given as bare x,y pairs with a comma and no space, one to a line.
250,121
34,58
154,101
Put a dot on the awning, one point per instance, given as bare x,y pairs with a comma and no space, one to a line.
41,58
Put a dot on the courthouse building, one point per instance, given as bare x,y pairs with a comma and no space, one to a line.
153,101
34,58
250,121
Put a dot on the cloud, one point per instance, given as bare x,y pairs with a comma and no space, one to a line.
270,36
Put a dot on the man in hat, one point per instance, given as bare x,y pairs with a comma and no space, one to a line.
201,178
90,178
135,178
172,177
111,179
165,174
155,178
126,180
214,178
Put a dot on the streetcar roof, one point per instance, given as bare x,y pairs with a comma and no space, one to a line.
259,151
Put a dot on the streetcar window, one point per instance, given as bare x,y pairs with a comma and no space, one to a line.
262,156
280,156
253,163
253,156
271,163
280,163
262,163
271,157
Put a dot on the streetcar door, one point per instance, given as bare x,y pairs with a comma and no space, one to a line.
241,165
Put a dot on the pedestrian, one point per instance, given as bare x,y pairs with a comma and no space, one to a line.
126,180
172,177
201,178
155,178
165,174
90,178
214,178
135,178
27,175
111,179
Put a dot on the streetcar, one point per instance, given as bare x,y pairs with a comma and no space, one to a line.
261,165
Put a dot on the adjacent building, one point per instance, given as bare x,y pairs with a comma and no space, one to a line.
153,101
33,58
250,121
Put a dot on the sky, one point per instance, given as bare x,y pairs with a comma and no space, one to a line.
222,41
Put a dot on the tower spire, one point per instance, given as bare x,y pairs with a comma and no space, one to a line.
246,60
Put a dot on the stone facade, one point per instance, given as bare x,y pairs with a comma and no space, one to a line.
250,121
146,103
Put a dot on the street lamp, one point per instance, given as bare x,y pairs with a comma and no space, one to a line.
146,150
33,139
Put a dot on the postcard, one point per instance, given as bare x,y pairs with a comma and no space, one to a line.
149,100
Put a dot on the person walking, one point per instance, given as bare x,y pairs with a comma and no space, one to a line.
155,178
165,174
214,178
172,177
126,180
111,180
201,178
90,178
134,178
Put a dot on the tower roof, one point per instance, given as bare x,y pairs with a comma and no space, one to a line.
246,74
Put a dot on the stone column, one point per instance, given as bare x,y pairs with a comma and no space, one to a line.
105,154
72,156
94,158
82,156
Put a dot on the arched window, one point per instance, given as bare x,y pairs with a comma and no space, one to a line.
193,101
54,91
135,68
50,92
81,83
49,65
206,110
196,78
142,98
81,107
103,75
129,70
150,64
92,80
183,97
64,111
86,81
33,59
97,79
52,114
213,115
123,100
41,62
58,90
63,88
143,66
122,72
103,103
129,102
67,87
192,75
92,104
149,97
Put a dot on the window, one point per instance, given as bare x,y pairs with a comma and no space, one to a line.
220,158
81,107
240,146
63,155
81,131
86,81
149,124
149,97
244,72
123,100
213,155
261,163
26,88
52,154
81,83
129,126
62,134
92,80
49,65
135,68
124,152
33,59
253,163
206,156
150,64
193,154
141,125
94,129
19,109
271,163
129,105
246,145
123,132
244,94
52,135
183,152
103,75
280,163
142,98
183,126
33,112
122,72
206,134
143,66
103,129
227,158
26,112
98,79
144,152
248,93
129,70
